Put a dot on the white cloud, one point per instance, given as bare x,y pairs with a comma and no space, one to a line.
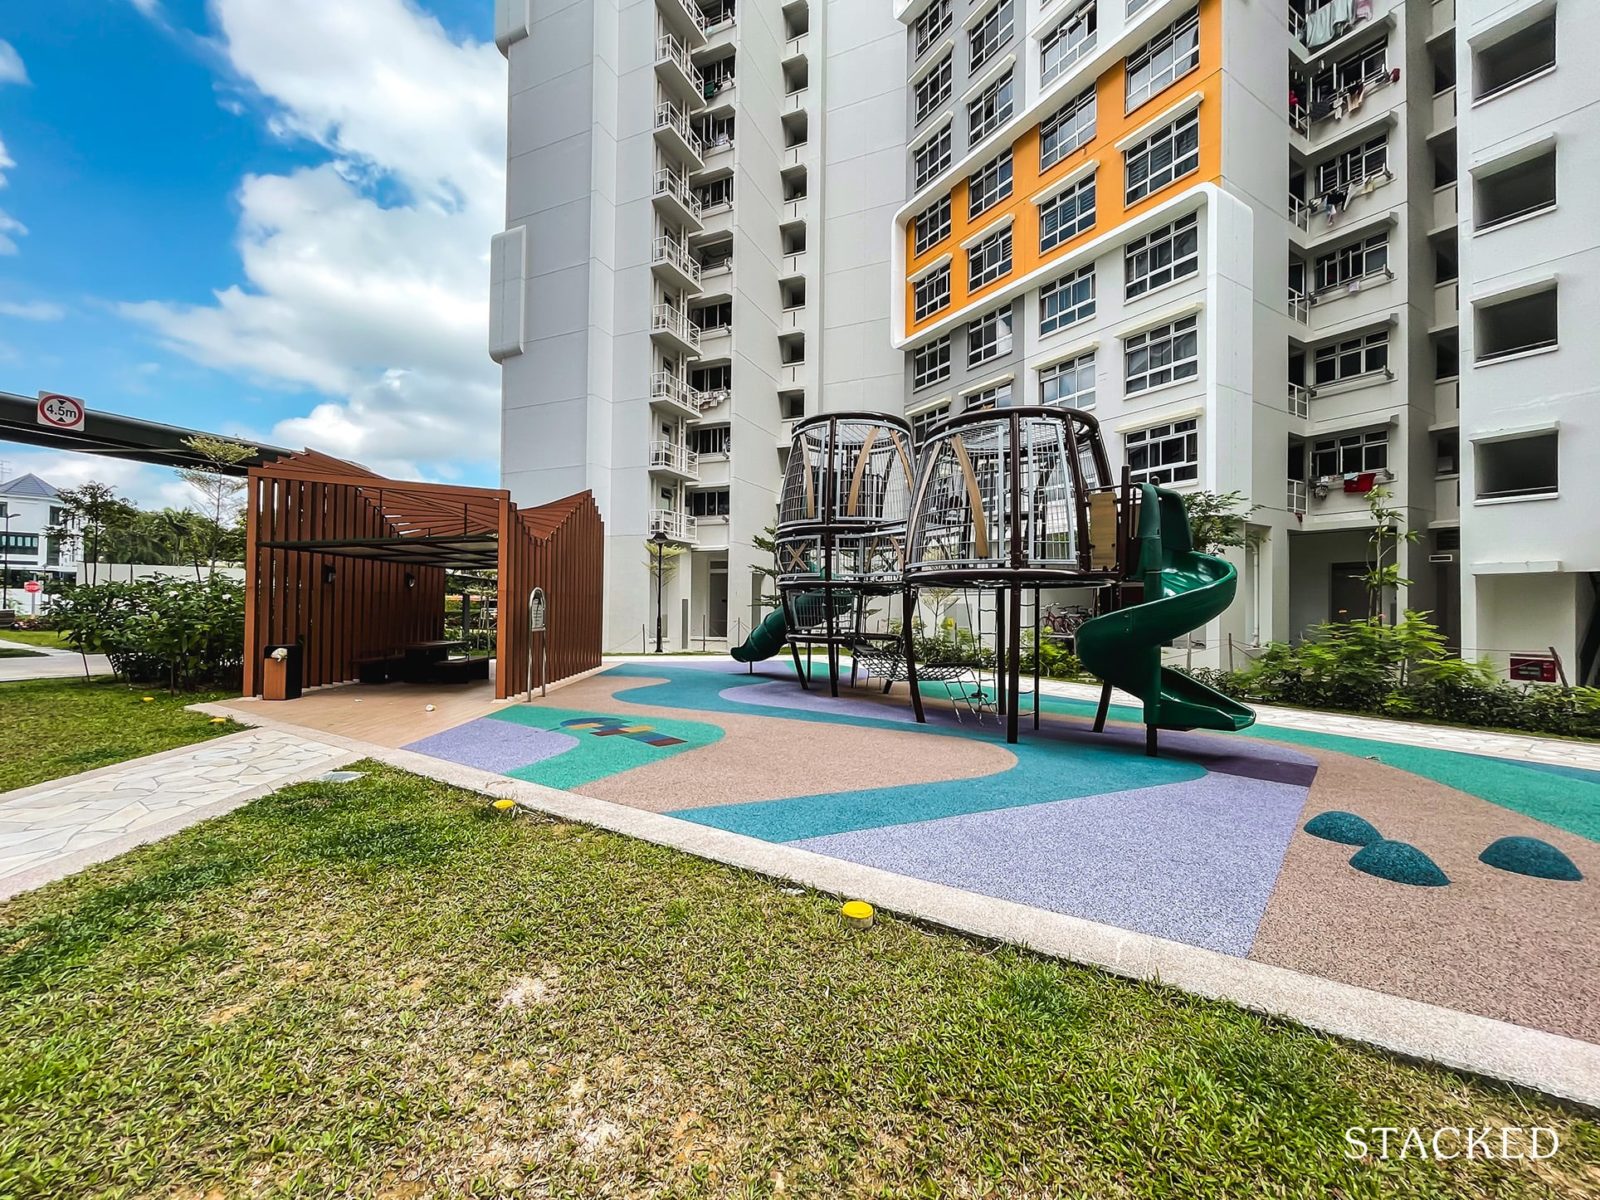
149,487
31,310
11,68
148,8
365,277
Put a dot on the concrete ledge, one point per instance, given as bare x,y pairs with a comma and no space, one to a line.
1559,1066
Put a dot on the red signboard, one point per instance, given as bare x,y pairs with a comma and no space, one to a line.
60,412
33,587
1532,668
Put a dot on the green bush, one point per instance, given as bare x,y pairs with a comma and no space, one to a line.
184,633
1404,670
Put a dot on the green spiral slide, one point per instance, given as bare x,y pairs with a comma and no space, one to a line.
770,637
1184,589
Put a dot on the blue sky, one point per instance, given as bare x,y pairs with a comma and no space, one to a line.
267,217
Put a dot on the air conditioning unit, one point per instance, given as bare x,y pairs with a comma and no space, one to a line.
1446,556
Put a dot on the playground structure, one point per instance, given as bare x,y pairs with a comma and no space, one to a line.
840,540
1005,504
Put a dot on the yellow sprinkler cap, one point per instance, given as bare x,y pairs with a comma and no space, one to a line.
147,699
505,805
219,720
857,914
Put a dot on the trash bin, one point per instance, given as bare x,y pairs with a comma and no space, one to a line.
281,677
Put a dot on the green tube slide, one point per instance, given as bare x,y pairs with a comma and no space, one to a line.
770,637
1184,589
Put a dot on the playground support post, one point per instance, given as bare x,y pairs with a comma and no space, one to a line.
908,633
1036,657
1014,665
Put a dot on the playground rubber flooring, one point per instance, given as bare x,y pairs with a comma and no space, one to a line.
1454,879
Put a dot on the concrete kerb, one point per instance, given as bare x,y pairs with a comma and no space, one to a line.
1558,1066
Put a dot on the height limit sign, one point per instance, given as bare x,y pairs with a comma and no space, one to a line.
60,412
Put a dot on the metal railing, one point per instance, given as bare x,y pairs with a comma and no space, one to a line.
1298,496
676,184
1345,286
670,116
664,385
1299,399
673,253
676,525
670,49
1299,306
674,456
1299,212
665,318
1299,119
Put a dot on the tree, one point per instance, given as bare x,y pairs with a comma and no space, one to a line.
91,514
221,489
767,541
1217,521
1383,550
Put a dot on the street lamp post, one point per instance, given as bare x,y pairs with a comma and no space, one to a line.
658,539
5,561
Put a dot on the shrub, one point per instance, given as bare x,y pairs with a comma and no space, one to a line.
183,633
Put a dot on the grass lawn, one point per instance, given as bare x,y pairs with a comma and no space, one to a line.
48,638
56,727
18,652
384,989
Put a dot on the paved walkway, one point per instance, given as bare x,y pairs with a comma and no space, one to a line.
53,829
51,663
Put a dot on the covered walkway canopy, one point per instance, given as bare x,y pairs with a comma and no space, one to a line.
348,565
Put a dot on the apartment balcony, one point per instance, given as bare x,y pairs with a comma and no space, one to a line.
1299,306
711,533
677,526
712,399
716,341
1299,400
716,280
793,264
1445,213
795,210
674,135
686,17
796,48
1446,305
1351,107
1315,33
720,23
1447,500
672,263
676,460
672,395
1446,403
716,218
671,327
1316,218
1331,507
792,319
1322,298
677,72
795,101
721,93
1444,111
716,154
675,200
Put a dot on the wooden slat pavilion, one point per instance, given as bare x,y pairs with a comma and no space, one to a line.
346,563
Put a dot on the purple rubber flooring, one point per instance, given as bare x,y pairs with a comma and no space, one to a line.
492,745
1194,862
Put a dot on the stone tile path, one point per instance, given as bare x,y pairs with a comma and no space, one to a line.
56,828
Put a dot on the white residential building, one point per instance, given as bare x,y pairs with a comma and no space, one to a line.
29,507
1232,229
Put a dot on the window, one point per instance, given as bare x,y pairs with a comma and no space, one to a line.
1070,383
1517,325
1164,156
989,185
988,398
20,543
1164,453
1352,454
1335,80
989,260
989,34
931,292
712,379
1065,216
708,504
1165,58
1067,301
930,364
923,421
1352,262
1515,191
990,110
933,156
710,440
932,225
1162,256
1522,466
1516,58
1069,41
932,90
1353,358
989,336
1071,126
925,30
1162,355
716,194
1354,165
